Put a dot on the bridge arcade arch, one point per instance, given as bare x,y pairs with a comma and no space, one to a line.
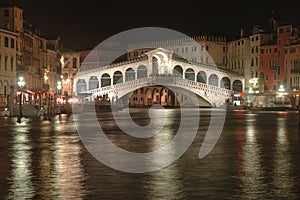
210,79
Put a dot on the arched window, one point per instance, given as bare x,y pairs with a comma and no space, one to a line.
93,83
81,85
178,71
141,71
129,74
117,77
213,80
190,74
201,77
237,86
105,80
225,83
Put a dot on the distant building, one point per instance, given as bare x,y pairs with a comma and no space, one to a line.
292,67
34,57
70,61
269,67
239,58
210,51
7,64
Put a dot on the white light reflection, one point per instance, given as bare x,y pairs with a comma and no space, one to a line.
21,186
252,178
167,182
282,159
68,172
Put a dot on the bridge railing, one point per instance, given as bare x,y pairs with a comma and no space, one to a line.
162,80
193,84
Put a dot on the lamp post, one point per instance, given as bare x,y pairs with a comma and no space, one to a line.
281,93
59,87
21,84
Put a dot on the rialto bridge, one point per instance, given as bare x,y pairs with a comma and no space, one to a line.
149,80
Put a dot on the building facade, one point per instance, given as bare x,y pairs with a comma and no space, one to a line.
239,58
70,62
31,56
7,64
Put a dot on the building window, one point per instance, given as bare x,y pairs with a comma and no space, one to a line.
135,54
12,63
206,48
12,43
6,12
292,50
281,30
5,63
6,41
74,62
275,77
262,51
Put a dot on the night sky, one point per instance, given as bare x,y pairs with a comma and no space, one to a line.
84,24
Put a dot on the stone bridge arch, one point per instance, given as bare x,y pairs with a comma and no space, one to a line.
213,95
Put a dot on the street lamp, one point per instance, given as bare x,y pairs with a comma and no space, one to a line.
59,87
21,84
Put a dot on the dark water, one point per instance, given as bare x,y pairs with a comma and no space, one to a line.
257,157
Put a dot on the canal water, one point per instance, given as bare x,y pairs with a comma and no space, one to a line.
256,157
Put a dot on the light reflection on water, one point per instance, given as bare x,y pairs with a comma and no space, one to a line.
21,173
256,157
45,163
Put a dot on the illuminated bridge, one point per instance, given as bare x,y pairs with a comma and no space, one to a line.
150,76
